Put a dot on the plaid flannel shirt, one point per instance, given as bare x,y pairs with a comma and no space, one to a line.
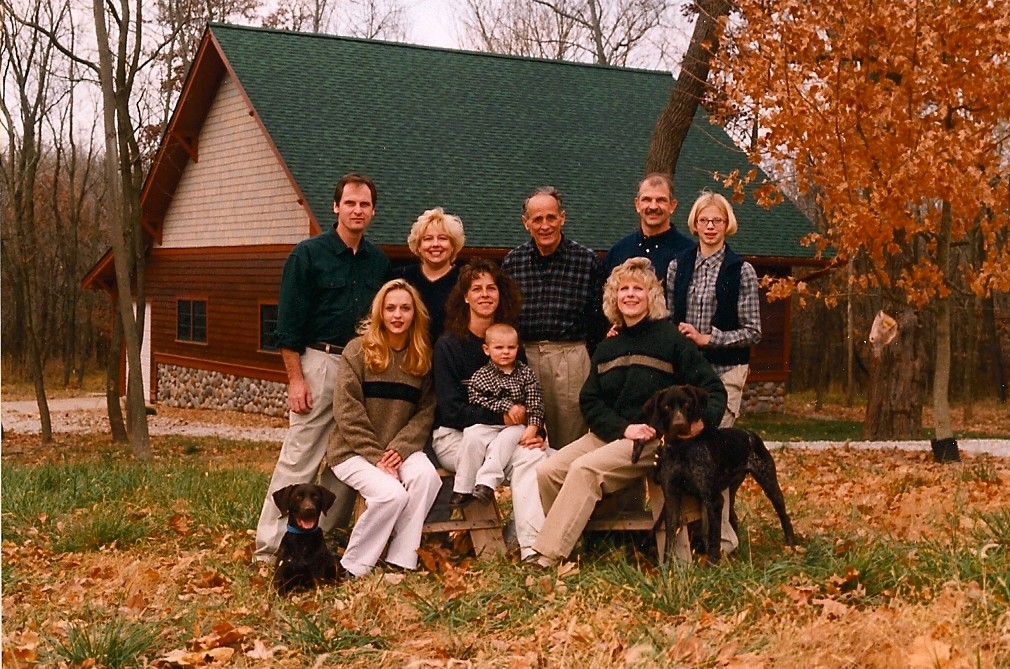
562,293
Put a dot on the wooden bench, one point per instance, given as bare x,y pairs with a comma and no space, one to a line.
636,508
482,520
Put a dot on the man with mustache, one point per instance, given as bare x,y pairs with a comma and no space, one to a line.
655,238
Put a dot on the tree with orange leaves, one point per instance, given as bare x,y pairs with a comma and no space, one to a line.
895,115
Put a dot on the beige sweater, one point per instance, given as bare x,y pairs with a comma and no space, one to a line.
376,412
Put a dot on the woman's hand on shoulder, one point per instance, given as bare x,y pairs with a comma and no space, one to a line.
700,340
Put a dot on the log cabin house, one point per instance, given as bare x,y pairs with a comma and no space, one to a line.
267,122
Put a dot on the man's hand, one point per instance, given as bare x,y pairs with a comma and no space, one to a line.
531,438
639,431
299,396
700,340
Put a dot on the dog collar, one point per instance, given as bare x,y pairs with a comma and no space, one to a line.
294,529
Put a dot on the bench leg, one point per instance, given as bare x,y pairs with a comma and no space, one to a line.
485,541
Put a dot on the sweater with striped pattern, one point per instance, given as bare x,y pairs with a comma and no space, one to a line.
378,411
629,368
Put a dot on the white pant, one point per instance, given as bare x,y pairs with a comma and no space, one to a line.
394,511
521,469
303,449
486,451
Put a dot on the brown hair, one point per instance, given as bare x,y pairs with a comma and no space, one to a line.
457,311
354,178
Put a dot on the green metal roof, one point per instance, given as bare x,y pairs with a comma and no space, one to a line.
474,133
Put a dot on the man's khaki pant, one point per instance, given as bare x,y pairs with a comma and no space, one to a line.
733,379
303,450
561,368
573,480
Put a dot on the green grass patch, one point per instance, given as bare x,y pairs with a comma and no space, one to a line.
89,504
114,644
790,427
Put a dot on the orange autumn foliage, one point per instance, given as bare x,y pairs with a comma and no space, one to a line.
889,109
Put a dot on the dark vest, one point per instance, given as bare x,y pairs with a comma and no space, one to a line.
727,294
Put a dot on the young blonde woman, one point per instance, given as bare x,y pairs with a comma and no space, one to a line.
384,406
647,354
712,295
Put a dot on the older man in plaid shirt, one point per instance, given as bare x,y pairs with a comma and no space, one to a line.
561,319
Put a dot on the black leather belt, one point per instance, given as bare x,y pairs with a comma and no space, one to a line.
326,348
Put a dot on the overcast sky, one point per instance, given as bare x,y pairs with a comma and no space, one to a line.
432,22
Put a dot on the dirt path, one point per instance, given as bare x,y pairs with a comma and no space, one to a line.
87,414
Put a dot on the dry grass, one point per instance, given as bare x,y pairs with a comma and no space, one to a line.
903,563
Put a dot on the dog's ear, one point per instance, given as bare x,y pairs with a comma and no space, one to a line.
282,498
328,498
651,413
700,396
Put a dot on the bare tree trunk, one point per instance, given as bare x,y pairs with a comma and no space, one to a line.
894,405
970,359
850,344
688,91
998,368
124,232
37,362
112,362
942,425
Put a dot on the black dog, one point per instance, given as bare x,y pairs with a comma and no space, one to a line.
303,560
706,465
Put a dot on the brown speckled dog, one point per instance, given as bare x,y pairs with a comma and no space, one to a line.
706,465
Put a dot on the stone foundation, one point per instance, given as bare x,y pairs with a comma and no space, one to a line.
765,397
190,388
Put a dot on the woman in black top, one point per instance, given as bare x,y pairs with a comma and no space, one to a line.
436,238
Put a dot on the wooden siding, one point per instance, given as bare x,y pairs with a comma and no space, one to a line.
236,192
234,282
769,360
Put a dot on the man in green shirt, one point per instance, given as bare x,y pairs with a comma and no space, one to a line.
327,286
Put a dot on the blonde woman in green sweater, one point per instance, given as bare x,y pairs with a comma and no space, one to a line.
384,407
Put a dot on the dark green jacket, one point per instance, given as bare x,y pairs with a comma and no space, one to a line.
326,289
629,368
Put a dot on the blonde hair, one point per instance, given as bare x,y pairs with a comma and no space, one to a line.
707,199
374,338
641,271
450,225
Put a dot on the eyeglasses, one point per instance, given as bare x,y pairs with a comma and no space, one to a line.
705,222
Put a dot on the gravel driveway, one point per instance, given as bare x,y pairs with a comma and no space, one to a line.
87,414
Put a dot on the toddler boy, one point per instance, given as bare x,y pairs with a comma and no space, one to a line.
506,386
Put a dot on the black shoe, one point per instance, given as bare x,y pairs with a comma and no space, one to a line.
483,493
459,499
